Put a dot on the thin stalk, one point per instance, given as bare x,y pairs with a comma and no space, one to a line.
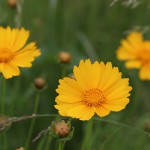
23,118
18,17
3,104
48,142
61,145
63,70
88,135
108,139
5,140
41,143
3,97
122,125
33,121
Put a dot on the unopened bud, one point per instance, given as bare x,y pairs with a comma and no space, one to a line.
147,126
65,57
39,83
12,3
62,129
21,148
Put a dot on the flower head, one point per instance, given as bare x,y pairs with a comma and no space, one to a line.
64,57
136,52
39,83
14,53
62,128
12,3
97,88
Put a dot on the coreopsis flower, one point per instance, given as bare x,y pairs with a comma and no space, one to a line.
97,88
14,53
136,52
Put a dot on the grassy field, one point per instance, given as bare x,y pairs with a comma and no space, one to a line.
85,29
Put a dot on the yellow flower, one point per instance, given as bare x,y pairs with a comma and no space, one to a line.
97,88
14,53
136,52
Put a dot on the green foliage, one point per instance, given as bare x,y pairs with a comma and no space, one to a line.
86,29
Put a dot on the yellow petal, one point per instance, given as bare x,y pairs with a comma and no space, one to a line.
69,99
114,107
123,54
24,57
94,79
134,38
101,111
8,70
130,46
105,75
120,101
81,112
114,77
86,72
20,39
70,87
64,107
80,74
133,64
145,72
119,89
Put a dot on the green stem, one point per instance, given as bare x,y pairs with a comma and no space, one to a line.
48,142
87,136
3,97
122,125
33,121
18,17
3,104
63,70
61,145
108,139
41,143
5,140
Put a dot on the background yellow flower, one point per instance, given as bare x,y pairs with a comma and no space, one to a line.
97,88
136,52
14,53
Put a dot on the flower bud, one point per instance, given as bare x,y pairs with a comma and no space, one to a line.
62,129
64,57
21,148
147,126
12,3
39,83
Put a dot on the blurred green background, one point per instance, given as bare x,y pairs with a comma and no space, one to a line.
85,29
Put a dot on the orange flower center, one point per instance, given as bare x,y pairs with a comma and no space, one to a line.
93,97
6,55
